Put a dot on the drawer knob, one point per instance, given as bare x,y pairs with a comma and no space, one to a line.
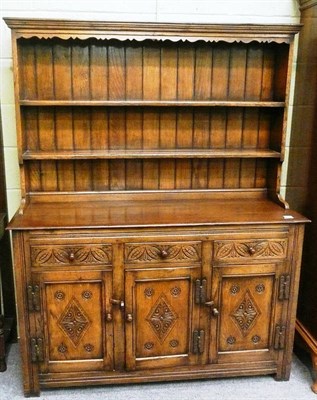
129,317
108,317
251,250
71,256
164,253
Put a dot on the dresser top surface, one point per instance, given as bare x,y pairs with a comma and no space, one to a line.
152,213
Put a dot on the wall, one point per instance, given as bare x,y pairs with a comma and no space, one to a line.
207,11
304,106
301,190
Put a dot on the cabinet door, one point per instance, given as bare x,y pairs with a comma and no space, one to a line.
161,316
75,333
249,312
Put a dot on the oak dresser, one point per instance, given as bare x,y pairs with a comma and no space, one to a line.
152,242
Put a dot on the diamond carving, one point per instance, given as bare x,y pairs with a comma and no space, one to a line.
162,318
246,314
73,321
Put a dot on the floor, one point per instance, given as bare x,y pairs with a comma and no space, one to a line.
257,388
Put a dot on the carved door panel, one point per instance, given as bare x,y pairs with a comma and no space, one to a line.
76,334
249,310
160,317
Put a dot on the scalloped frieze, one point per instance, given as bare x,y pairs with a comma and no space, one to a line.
229,250
162,252
47,256
161,31
142,38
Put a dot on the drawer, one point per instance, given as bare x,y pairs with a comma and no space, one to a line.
162,252
59,255
238,250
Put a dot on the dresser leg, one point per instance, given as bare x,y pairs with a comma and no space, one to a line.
3,365
314,362
305,340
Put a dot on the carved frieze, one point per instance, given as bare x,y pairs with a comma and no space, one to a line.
124,31
230,250
160,252
47,256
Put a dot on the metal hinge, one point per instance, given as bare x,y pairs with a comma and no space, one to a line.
198,341
37,354
279,337
34,298
284,287
201,291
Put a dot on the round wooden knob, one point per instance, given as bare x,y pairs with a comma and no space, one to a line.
71,256
129,317
108,317
251,250
164,253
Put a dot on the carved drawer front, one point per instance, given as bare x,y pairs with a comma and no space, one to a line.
162,252
67,255
242,250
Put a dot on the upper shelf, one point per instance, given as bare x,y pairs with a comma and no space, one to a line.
110,73
141,154
156,103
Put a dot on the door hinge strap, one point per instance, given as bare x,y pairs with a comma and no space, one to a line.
34,297
284,287
37,350
198,341
201,291
279,337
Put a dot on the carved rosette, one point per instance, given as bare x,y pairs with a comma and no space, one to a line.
62,348
149,345
86,295
64,255
148,292
256,249
175,291
234,289
255,339
159,252
89,347
59,295
162,318
260,288
174,343
231,340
